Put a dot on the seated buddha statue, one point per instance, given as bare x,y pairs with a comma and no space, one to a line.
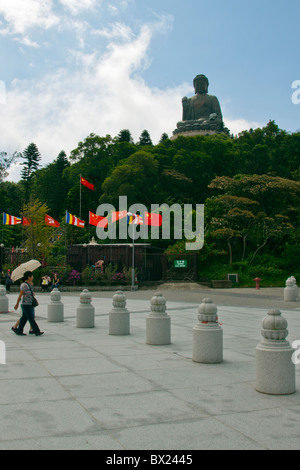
202,111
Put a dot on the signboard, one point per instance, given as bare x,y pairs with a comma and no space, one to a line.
180,263
234,278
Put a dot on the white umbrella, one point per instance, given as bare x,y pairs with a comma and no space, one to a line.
19,272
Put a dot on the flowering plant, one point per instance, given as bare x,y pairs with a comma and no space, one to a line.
118,277
74,276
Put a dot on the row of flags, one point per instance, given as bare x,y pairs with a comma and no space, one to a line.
94,219
12,220
132,219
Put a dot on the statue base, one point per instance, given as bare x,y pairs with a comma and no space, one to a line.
199,127
194,133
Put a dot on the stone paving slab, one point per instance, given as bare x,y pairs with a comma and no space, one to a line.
84,389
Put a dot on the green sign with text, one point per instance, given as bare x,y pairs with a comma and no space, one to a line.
180,263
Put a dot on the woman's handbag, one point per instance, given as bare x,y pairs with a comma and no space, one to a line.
34,301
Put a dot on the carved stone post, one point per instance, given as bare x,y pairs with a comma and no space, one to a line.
55,308
119,316
290,291
158,322
275,371
294,281
85,312
3,300
208,335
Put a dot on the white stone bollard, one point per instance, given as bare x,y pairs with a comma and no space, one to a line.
55,308
208,335
3,300
275,370
290,291
119,316
85,317
158,322
293,279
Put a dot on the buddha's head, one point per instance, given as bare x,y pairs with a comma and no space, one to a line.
201,84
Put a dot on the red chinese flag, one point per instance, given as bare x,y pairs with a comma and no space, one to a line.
97,220
51,222
153,219
87,184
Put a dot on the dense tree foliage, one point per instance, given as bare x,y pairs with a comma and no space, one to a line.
250,186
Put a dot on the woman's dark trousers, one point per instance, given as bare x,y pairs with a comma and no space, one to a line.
28,315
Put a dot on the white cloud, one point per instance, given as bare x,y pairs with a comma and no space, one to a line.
105,94
115,31
26,41
78,6
21,15
99,93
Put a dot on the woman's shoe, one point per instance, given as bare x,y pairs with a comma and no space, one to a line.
39,334
14,329
31,332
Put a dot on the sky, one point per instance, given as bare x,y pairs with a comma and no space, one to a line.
74,67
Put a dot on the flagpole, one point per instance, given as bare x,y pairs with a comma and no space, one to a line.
80,200
133,270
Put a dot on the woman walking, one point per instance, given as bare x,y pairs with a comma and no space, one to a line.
27,296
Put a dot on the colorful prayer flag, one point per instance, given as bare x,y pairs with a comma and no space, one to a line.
72,220
97,220
87,184
51,222
134,219
11,219
131,218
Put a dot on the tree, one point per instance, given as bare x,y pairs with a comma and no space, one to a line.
275,194
232,218
11,198
37,234
125,136
278,214
276,229
164,137
50,186
91,147
136,177
5,162
145,139
95,161
32,156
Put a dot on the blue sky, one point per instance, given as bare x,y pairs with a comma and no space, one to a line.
72,67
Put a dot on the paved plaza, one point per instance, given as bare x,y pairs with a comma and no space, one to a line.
84,389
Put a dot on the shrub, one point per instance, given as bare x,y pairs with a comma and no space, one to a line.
74,277
118,278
